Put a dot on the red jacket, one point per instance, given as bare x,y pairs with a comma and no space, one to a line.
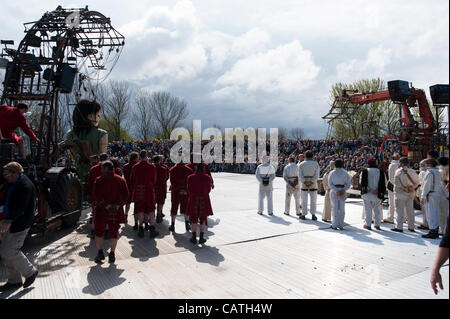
143,179
162,173
198,187
118,171
127,175
178,177
110,189
206,169
94,173
10,119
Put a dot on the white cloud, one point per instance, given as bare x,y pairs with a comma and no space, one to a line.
286,69
373,66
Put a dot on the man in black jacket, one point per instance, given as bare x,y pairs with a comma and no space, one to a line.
18,214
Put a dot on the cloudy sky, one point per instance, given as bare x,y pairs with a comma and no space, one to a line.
265,63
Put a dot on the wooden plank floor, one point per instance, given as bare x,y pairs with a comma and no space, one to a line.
246,256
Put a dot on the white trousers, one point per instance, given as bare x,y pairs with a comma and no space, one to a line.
313,202
291,191
265,191
433,211
443,206
338,209
404,207
424,215
391,201
327,206
372,208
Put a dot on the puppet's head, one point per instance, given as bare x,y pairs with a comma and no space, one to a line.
86,115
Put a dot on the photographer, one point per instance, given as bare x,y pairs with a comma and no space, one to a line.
18,213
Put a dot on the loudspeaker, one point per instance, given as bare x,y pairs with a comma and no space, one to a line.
399,90
439,93
65,77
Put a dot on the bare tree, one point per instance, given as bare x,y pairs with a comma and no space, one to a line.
282,133
297,133
168,112
144,124
115,99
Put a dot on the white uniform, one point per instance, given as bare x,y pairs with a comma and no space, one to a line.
443,203
338,180
327,204
290,173
431,195
391,200
263,171
308,172
419,194
371,201
404,202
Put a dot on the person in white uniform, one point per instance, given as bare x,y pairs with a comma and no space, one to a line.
373,187
265,174
430,197
339,182
390,186
308,173
443,200
422,173
405,183
326,215
290,176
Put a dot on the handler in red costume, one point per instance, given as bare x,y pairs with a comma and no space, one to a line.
199,206
94,173
110,194
206,169
178,186
162,173
143,179
134,158
12,118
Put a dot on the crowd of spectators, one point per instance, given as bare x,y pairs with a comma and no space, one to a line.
353,152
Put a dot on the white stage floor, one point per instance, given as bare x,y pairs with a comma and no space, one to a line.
246,256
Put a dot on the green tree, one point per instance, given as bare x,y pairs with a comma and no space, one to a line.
109,126
368,120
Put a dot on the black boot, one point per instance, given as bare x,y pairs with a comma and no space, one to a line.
202,239
153,232
159,218
100,256
194,238
135,227
433,234
172,228
188,225
111,257
147,226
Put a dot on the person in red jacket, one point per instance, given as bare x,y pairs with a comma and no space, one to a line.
199,186
94,173
10,119
110,194
206,169
134,158
162,173
178,175
117,169
143,179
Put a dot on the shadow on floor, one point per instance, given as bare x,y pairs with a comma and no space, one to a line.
101,279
